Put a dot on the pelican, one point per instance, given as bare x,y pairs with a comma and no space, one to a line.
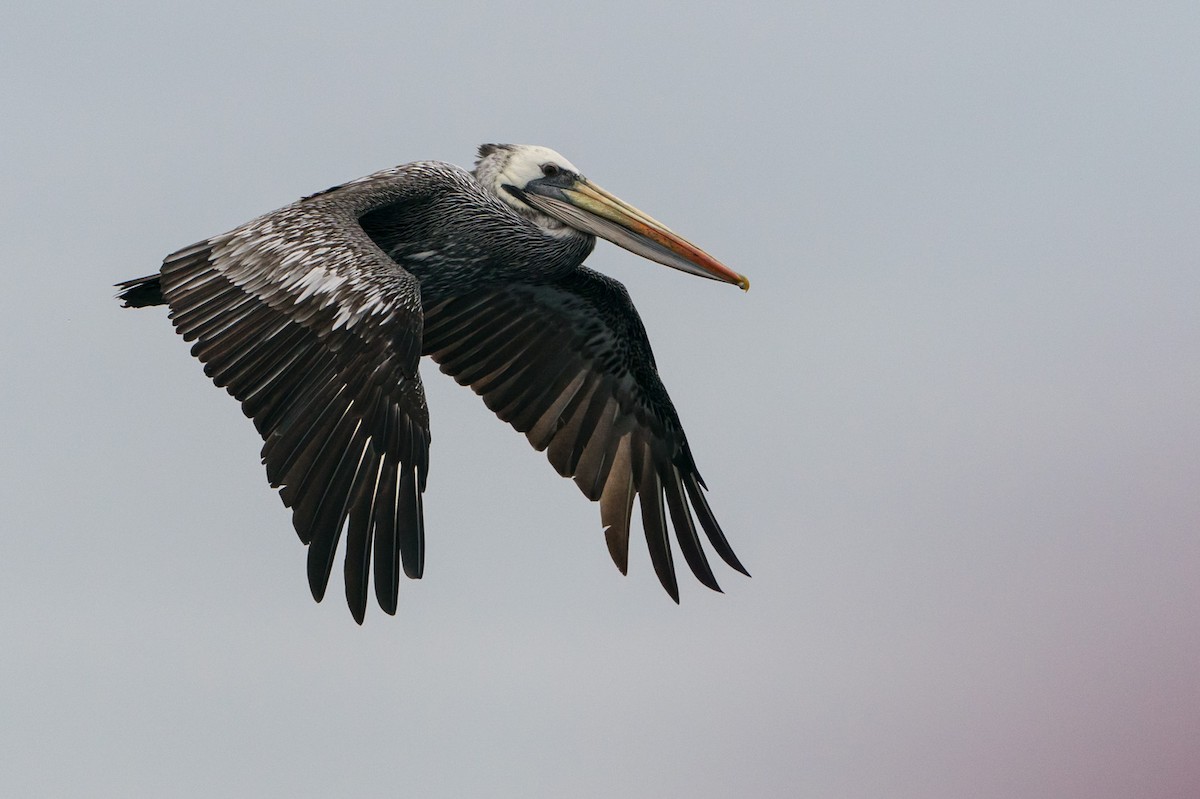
315,316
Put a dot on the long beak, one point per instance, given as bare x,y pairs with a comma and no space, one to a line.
586,206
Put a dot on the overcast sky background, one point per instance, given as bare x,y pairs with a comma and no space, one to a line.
952,430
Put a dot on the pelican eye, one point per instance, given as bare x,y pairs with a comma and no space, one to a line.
550,170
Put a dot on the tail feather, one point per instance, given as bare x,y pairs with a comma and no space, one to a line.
141,292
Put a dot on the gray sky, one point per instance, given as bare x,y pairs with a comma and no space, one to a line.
952,429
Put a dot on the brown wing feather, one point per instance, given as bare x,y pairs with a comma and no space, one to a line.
567,363
305,321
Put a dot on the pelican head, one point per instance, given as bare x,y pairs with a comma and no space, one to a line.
546,188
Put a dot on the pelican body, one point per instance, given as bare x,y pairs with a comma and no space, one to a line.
315,316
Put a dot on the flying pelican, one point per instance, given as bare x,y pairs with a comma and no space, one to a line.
314,317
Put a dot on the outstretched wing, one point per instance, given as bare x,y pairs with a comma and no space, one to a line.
302,318
568,364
